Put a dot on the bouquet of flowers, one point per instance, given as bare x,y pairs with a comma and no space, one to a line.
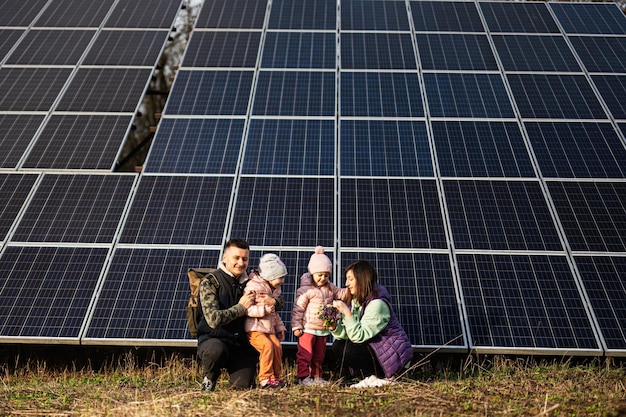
329,315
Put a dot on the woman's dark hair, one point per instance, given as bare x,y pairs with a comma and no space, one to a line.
366,280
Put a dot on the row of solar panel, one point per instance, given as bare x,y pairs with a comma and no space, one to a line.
429,16
382,213
515,302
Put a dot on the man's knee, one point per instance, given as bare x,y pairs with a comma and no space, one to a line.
211,351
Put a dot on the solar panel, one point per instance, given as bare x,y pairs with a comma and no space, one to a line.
518,17
178,211
449,51
390,213
20,12
593,215
74,13
603,277
8,38
46,291
599,18
30,89
196,146
75,208
299,50
143,14
535,53
144,295
105,90
14,190
377,51
16,133
437,16
313,14
78,142
500,215
578,150
223,49
524,302
374,15
612,89
601,54
237,14
41,47
126,47
481,149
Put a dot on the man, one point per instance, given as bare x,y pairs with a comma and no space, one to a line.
222,341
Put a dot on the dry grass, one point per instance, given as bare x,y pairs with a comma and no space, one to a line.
472,387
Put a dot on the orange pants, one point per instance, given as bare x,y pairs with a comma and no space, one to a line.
270,354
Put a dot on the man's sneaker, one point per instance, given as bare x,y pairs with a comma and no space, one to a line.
308,381
372,381
207,385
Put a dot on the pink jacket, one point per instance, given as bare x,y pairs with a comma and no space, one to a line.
309,299
262,318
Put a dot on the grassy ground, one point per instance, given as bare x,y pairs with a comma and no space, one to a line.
169,386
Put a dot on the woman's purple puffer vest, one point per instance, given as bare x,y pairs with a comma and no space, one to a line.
391,346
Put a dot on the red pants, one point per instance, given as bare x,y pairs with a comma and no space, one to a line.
310,356
270,354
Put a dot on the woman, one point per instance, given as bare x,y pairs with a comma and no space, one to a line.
370,342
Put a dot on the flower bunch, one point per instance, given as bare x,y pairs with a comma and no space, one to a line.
329,315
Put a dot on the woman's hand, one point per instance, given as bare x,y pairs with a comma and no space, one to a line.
343,308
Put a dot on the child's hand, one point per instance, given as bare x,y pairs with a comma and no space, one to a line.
280,336
297,332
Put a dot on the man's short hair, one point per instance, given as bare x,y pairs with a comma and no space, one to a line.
237,242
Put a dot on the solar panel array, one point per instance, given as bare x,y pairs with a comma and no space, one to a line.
473,151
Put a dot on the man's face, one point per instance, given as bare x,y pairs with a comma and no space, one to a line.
236,260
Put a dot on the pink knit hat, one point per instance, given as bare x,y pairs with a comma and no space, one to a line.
319,262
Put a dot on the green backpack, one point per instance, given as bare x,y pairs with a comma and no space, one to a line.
196,275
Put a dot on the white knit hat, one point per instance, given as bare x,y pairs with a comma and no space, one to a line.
271,267
319,262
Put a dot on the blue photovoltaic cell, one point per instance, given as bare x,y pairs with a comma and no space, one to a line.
381,94
448,16
210,93
385,148
543,96
467,95
74,13
105,90
447,51
593,18
612,89
601,54
605,283
79,142
145,293
279,211
421,285
523,302
14,190
41,47
20,12
178,211
578,150
16,132
299,50
222,49
196,146
295,93
126,47
374,15
237,14
311,14
500,215
481,149
143,14
290,147
535,53
75,208
377,51
518,17
46,291
30,89
8,37
593,214
391,213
